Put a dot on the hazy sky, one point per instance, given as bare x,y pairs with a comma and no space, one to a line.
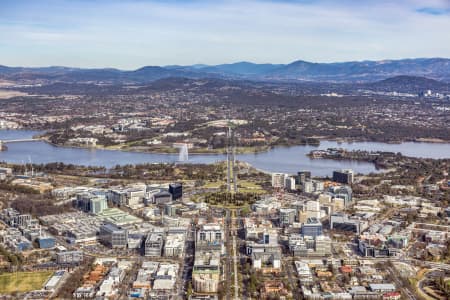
132,33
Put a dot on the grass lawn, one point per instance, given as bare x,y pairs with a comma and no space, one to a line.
250,187
23,281
248,184
213,184
244,186
251,191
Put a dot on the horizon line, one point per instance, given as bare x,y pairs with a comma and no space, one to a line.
226,63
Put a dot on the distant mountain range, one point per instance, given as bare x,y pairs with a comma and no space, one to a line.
303,71
407,84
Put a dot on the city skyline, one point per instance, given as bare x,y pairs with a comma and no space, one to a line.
130,34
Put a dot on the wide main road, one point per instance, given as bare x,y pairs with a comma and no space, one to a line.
227,261
235,256
231,268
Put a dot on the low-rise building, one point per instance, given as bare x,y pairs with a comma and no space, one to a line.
309,246
382,287
69,257
162,197
210,237
340,221
174,245
53,283
377,249
165,279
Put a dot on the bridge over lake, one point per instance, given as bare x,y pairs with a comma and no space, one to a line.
3,142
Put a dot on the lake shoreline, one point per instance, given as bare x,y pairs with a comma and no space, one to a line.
248,150
255,150
284,158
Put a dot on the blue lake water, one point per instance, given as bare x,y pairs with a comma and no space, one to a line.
280,159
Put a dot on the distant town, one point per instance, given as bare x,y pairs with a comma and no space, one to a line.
158,116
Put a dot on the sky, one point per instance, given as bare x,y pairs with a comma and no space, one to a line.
129,34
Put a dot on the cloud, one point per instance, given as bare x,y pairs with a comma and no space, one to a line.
433,11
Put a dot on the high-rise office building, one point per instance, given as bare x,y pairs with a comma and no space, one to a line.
289,183
303,176
113,236
154,244
176,189
343,176
278,180
98,204
307,187
287,216
312,227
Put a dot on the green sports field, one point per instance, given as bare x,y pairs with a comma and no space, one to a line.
23,281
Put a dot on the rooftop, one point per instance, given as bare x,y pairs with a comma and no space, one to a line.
118,217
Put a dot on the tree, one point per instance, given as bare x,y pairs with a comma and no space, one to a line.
189,290
252,285
443,286
221,291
